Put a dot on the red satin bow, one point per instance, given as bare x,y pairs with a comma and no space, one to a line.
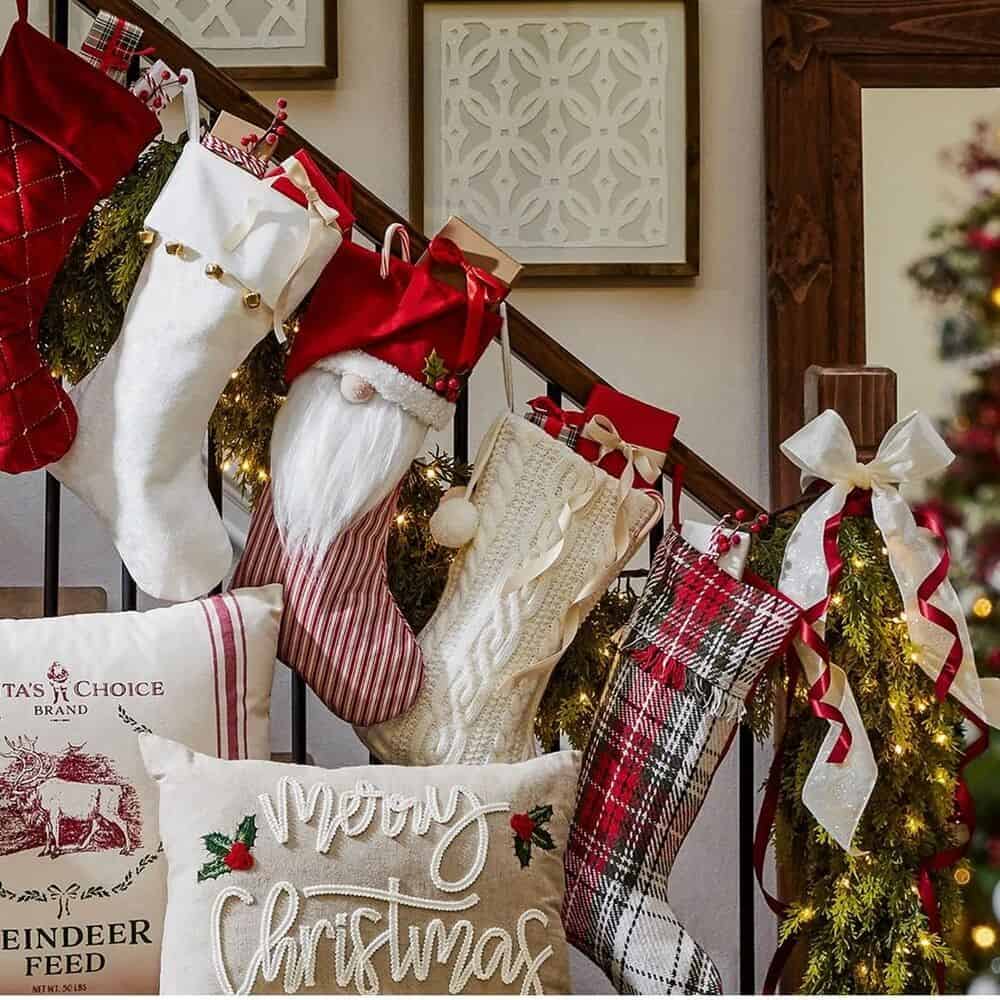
482,289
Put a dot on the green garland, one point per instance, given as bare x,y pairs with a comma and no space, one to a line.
860,918
83,318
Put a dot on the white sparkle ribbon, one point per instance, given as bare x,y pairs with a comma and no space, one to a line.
912,450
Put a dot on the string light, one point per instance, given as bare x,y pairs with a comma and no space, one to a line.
899,750
430,472
941,776
941,738
806,914
913,825
924,941
983,607
245,465
858,563
962,876
984,936
837,600
262,475
401,519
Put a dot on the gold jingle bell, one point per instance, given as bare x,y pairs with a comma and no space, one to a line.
174,249
147,237
252,300
214,271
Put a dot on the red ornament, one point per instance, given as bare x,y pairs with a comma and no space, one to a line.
740,515
522,825
282,116
282,103
754,529
239,858
763,520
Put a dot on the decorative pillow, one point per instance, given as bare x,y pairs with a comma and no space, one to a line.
82,882
368,880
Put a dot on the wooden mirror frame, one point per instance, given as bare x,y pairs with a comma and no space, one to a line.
818,55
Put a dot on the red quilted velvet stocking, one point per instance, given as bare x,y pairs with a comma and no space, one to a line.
68,132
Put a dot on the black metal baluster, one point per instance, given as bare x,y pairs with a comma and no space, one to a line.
461,427
747,894
59,21
554,392
58,32
50,554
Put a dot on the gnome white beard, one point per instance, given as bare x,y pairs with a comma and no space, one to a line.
333,460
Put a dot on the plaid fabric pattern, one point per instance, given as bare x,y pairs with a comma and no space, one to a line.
697,641
251,164
110,45
566,432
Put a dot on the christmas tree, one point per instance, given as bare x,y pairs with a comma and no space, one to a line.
962,274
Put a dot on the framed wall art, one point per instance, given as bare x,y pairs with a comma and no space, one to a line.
566,132
257,39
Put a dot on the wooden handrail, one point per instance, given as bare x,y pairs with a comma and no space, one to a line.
532,345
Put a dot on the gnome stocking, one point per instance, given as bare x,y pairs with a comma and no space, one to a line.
552,532
67,133
380,356
229,259
697,641
347,638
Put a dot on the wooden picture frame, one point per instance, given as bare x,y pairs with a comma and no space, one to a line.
682,270
324,69
818,56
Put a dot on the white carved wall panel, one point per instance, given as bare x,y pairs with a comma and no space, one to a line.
235,24
554,129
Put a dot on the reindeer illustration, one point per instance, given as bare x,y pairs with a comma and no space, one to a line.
35,784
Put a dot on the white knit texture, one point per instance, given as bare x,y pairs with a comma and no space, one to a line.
470,710
136,461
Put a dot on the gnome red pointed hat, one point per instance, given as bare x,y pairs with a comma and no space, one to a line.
395,327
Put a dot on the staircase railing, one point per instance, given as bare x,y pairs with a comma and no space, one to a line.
565,375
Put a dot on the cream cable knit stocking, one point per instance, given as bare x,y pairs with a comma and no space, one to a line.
485,653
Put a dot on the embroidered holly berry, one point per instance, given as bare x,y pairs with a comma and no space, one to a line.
529,830
229,854
239,858
522,825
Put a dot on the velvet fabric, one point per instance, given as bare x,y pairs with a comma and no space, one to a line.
67,134
399,319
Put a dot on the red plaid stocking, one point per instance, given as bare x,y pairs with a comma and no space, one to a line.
67,134
341,629
697,641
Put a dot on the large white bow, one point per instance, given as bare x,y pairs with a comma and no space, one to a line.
837,793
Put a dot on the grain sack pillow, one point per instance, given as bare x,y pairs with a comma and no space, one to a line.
82,876
366,880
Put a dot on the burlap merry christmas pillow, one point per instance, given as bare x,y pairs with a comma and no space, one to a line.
363,880
82,873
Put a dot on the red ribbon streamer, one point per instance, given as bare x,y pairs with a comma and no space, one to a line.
965,807
482,289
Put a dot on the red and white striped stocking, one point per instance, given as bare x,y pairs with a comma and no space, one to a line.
341,630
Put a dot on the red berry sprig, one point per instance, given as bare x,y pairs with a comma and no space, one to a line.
275,129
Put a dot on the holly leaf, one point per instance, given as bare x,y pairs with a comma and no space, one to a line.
541,814
543,839
434,367
522,848
212,869
217,844
246,832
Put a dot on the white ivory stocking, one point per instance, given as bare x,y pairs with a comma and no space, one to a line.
143,411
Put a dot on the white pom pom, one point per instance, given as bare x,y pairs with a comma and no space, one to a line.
355,389
454,522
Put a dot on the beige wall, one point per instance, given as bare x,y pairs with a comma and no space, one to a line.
697,350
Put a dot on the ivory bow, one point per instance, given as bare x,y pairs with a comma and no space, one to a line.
841,780
321,215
